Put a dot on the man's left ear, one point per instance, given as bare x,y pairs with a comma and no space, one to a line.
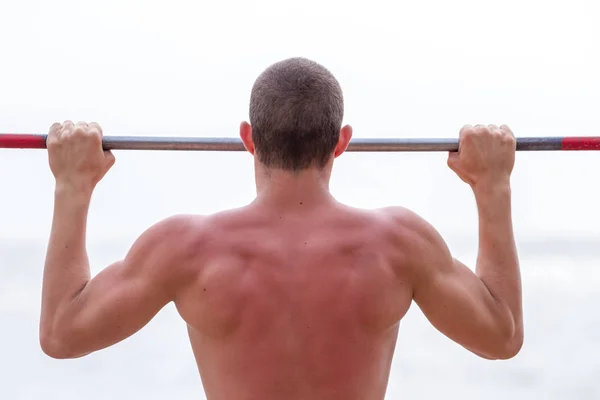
246,136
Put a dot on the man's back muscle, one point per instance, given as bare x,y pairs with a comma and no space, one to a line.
294,305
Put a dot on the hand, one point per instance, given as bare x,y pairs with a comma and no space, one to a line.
486,155
76,156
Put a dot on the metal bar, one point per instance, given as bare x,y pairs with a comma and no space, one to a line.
36,141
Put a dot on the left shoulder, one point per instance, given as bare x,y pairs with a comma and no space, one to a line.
162,252
176,225
165,242
171,230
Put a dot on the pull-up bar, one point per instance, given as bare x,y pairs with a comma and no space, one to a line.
37,141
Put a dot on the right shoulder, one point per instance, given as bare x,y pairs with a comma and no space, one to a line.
401,220
421,244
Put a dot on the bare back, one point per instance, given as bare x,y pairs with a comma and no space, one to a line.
296,306
286,300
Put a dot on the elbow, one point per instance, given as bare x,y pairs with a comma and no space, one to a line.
509,338
504,353
512,342
511,347
502,347
506,347
52,348
55,346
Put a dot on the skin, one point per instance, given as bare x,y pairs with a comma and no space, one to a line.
295,295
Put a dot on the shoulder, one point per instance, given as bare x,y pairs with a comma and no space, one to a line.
162,253
392,222
419,241
401,220
179,234
172,229
165,242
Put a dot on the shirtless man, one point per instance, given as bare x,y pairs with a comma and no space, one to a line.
294,296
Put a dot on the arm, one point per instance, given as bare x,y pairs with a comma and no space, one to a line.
82,315
482,311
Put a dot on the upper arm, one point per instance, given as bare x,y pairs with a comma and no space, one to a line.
126,295
452,297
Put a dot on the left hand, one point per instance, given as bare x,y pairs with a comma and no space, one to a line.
76,156
486,155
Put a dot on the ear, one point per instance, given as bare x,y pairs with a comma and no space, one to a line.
246,136
343,141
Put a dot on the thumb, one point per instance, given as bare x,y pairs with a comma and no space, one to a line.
109,157
453,160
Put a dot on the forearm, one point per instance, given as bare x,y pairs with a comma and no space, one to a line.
497,261
66,270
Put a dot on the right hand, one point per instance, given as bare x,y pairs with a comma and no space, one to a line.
486,155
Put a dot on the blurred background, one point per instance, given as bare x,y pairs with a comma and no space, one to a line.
408,69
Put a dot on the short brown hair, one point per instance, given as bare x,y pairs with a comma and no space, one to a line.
296,112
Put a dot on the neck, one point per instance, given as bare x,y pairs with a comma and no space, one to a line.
302,189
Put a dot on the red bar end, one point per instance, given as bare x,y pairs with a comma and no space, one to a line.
581,143
22,141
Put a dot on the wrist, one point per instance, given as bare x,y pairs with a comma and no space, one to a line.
493,200
492,188
72,191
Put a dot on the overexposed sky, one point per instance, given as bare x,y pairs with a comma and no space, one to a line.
408,69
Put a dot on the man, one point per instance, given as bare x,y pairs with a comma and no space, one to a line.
294,296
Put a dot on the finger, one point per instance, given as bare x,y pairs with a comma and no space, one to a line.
55,129
464,129
493,127
94,126
94,130
479,128
67,127
81,127
505,129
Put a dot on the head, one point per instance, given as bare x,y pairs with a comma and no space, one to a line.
296,112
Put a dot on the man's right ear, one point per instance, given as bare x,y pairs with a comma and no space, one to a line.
343,141
246,136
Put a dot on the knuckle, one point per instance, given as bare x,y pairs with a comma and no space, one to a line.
96,139
468,131
465,129
79,130
482,130
94,131
509,139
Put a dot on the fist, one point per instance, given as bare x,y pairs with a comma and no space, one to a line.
486,155
76,156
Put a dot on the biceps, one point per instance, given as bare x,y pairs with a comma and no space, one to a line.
459,305
111,307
